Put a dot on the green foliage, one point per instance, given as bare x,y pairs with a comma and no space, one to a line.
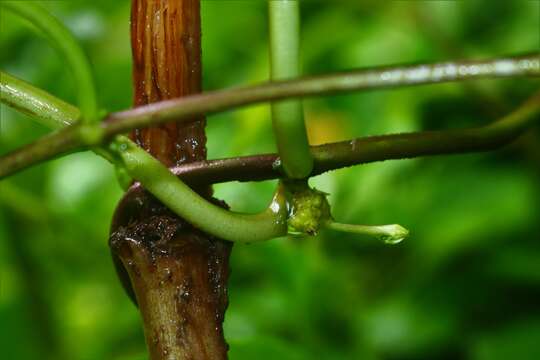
465,285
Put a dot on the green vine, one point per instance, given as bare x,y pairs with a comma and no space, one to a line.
69,48
380,148
179,197
288,116
47,109
295,206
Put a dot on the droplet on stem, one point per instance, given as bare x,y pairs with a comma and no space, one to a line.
389,234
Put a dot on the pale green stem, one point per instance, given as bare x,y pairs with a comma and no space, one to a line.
288,116
46,109
39,104
389,234
189,205
217,221
69,48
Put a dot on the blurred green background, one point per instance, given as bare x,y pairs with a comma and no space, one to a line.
466,285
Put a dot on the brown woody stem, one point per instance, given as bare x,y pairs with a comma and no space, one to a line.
177,274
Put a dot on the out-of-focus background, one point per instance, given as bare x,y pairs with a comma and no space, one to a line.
466,285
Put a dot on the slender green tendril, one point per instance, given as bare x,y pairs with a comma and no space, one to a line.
49,111
288,116
69,48
389,234
178,197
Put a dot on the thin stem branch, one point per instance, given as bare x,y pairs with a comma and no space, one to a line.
371,149
389,234
288,116
49,111
173,193
364,79
69,48
70,139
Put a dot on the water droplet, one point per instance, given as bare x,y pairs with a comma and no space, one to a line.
392,234
391,240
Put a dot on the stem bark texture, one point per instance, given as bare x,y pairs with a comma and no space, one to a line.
176,273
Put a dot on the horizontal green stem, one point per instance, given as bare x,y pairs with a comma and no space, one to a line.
371,149
288,116
392,147
183,109
177,196
272,222
69,48
389,234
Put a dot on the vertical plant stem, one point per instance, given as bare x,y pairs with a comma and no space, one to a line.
177,274
166,47
288,116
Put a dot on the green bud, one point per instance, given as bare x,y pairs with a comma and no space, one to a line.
309,209
389,234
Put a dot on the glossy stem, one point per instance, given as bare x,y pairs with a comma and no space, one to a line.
327,157
389,234
362,79
69,48
49,111
39,104
192,207
288,116
346,153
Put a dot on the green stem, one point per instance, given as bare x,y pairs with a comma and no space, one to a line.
47,109
371,149
189,205
183,109
55,113
389,234
288,116
327,157
69,48
401,146
346,153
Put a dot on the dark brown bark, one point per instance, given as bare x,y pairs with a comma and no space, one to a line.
177,274
179,277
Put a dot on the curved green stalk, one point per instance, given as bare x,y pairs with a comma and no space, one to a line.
189,205
62,38
47,109
389,234
288,116
55,113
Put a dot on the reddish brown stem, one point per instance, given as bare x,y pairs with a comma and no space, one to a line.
176,274
166,46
